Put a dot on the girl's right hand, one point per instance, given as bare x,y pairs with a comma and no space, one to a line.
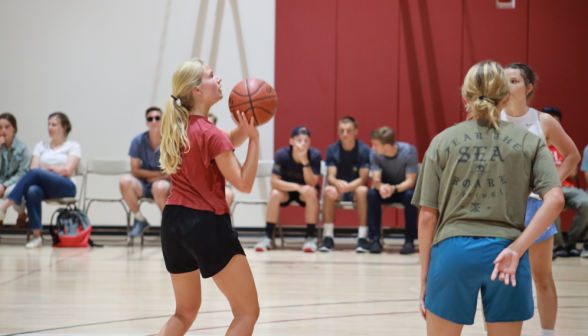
247,127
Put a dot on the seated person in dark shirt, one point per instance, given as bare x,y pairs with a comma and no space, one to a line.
148,181
295,177
576,199
394,168
348,162
229,195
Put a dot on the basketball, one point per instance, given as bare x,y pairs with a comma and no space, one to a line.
256,98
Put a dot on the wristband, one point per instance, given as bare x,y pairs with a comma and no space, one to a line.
306,165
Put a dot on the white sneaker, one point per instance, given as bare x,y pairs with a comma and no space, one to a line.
309,245
263,244
35,242
584,253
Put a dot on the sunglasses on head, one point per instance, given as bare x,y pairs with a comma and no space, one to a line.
150,119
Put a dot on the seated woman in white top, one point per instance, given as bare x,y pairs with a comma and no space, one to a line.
52,167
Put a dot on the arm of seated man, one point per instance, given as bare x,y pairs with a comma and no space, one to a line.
279,184
340,185
144,174
361,180
408,183
385,189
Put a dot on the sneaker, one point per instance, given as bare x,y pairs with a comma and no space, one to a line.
574,252
263,244
584,253
375,247
309,245
138,228
560,251
34,243
362,245
407,248
328,245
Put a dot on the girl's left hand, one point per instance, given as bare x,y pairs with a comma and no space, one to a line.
505,266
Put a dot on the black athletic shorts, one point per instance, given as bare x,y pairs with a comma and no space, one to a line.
295,196
197,239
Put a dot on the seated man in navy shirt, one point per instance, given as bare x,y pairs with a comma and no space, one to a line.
348,162
295,177
148,180
394,170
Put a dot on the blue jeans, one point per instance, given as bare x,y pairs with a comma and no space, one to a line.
37,185
375,202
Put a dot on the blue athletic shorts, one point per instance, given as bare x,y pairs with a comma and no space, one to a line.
533,206
460,267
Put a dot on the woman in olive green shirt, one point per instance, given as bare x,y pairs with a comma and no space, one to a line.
472,191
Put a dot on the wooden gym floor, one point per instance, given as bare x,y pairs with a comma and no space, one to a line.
117,290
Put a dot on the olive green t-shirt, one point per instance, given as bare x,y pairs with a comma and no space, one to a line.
479,179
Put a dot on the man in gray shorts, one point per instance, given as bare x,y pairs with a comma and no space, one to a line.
348,164
148,180
394,168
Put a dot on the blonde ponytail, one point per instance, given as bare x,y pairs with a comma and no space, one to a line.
174,125
484,87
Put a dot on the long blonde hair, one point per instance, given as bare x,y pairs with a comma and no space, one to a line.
483,88
174,125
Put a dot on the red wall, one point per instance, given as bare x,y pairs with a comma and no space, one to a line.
401,63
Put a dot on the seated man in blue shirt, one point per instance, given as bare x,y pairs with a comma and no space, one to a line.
295,177
348,162
148,180
394,170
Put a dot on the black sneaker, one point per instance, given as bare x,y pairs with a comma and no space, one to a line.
561,252
573,251
375,247
362,245
407,248
328,245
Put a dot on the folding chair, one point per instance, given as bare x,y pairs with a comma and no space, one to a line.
107,167
67,201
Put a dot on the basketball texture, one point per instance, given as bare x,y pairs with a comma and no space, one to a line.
256,98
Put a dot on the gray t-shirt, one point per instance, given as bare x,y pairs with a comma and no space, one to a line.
480,179
394,169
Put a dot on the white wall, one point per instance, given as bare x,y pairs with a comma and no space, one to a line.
103,62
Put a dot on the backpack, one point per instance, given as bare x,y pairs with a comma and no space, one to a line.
72,228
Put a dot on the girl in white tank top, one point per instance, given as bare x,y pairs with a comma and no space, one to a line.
522,81
530,122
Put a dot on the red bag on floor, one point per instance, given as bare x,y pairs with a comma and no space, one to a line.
72,228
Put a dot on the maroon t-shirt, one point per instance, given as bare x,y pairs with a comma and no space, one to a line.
198,184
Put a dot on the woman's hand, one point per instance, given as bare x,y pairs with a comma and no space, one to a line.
422,299
505,266
247,127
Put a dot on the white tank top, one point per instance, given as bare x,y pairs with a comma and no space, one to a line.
530,122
